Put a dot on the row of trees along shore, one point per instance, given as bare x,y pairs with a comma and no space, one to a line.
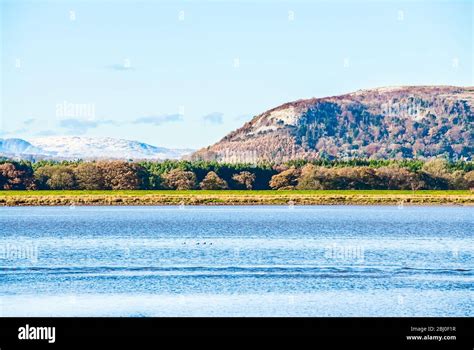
435,174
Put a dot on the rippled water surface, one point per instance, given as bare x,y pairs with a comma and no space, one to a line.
237,261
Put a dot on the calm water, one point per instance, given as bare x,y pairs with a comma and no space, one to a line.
237,261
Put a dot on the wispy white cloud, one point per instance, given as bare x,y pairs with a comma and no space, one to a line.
29,121
120,67
214,118
159,119
81,126
46,133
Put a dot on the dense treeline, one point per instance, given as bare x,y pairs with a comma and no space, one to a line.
208,175
122,175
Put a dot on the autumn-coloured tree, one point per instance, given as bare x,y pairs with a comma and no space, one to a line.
393,177
62,179
179,179
354,178
469,178
287,179
244,178
55,177
120,175
15,176
435,173
42,175
212,181
436,167
457,180
313,177
89,176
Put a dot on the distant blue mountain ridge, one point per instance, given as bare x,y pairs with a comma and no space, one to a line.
79,147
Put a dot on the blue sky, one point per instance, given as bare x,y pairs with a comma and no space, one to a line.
185,73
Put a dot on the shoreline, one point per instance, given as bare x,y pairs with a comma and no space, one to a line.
211,198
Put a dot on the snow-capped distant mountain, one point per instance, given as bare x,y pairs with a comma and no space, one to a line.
18,147
104,147
75,147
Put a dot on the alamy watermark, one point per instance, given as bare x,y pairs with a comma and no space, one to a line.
19,251
345,252
392,108
230,156
67,109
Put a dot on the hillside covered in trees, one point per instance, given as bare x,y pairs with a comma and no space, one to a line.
436,174
385,123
